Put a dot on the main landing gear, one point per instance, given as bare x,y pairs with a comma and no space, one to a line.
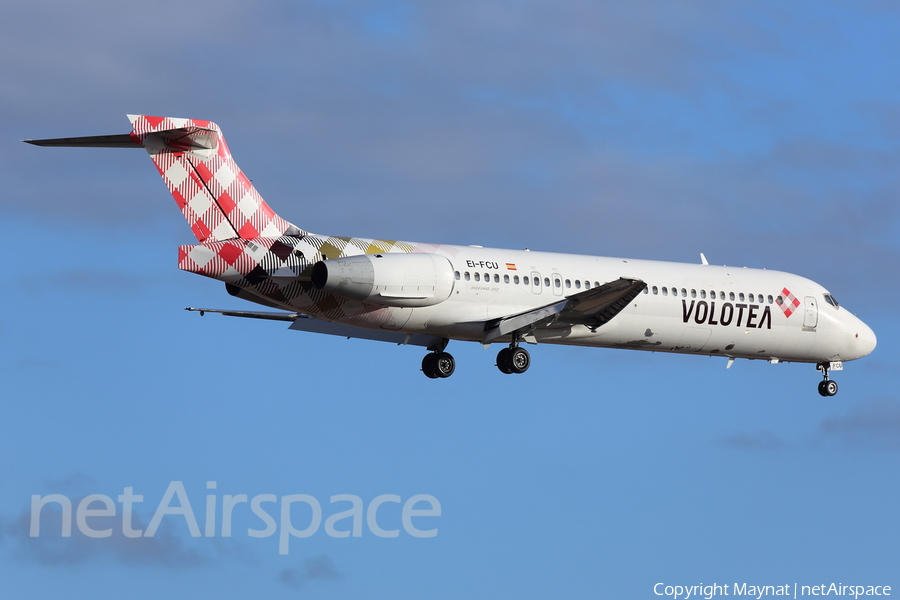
438,364
513,360
827,387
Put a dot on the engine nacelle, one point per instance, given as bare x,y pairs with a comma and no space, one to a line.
404,280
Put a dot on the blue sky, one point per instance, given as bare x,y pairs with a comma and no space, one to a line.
762,134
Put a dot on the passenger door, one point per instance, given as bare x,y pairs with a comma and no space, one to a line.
810,313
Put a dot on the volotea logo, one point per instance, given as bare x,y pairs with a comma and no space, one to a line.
789,304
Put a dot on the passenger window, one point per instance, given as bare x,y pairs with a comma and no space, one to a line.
516,279
467,275
779,300
731,296
693,293
721,295
655,290
496,278
770,298
577,284
457,275
546,282
596,284
703,294
477,276
525,280
741,296
568,283
487,277
646,290
506,279
557,282
665,291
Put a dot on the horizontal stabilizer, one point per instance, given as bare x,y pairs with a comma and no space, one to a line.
218,201
122,140
201,142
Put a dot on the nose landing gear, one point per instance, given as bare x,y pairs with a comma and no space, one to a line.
827,387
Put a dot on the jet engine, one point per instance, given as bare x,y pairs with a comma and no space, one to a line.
403,280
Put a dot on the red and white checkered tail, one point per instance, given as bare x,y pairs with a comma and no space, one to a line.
217,199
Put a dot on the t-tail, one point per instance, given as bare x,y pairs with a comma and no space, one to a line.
217,199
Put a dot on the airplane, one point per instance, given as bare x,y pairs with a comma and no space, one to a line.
427,294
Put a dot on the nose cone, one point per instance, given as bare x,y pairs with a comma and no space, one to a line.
867,340
863,339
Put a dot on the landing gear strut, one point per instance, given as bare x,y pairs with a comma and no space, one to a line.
513,359
827,387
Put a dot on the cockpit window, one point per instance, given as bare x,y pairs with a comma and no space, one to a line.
830,300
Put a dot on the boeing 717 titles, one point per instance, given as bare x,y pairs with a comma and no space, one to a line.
428,294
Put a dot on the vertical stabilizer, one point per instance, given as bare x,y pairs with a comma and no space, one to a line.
216,198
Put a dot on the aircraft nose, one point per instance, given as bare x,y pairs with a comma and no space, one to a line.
864,340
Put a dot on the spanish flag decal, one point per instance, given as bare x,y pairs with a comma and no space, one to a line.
510,266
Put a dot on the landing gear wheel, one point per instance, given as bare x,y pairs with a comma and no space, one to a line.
503,361
444,364
438,365
828,387
429,366
519,359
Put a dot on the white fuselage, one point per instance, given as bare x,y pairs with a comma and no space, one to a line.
686,308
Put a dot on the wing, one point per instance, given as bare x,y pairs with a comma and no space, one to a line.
592,308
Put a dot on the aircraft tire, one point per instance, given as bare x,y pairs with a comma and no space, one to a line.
503,361
519,360
444,364
429,366
828,387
